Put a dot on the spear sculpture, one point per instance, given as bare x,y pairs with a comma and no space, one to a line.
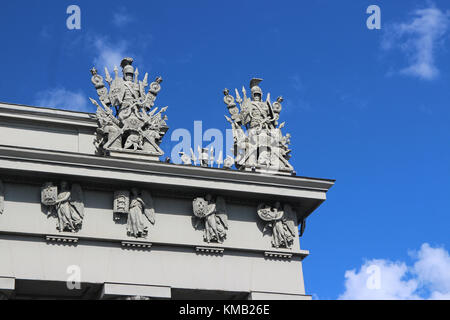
219,160
238,97
136,74
108,77
211,157
145,81
194,158
199,155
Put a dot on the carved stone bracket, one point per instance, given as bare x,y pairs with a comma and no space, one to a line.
210,250
136,245
277,255
61,239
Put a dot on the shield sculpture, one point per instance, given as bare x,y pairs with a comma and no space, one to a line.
116,91
200,207
267,213
49,194
121,201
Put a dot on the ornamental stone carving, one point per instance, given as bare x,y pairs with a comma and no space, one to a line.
212,216
207,157
138,206
280,221
258,141
67,204
128,122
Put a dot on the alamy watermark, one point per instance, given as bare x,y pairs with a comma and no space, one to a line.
373,282
374,20
73,21
74,277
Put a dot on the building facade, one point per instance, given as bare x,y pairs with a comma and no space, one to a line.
83,216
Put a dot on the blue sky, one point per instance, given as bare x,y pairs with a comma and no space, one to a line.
369,108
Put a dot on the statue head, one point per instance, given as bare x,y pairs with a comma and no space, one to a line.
208,197
127,69
128,77
256,90
256,96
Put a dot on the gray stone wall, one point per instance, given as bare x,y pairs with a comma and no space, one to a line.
43,145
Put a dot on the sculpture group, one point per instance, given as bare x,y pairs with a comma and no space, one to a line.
66,203
129,124
258,140
127,119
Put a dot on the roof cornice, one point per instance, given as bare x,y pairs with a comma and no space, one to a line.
64,117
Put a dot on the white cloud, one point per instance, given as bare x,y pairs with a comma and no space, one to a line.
392,282
428,278
433,269
121,17
418,39
62,98
109,54
440,296
296,101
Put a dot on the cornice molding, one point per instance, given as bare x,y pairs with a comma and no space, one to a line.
91,162
63,117
162,169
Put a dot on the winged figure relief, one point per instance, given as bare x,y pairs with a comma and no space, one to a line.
212,215
67,203
281,222
138,206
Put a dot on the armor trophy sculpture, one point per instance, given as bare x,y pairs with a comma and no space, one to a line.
128,123
258,141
